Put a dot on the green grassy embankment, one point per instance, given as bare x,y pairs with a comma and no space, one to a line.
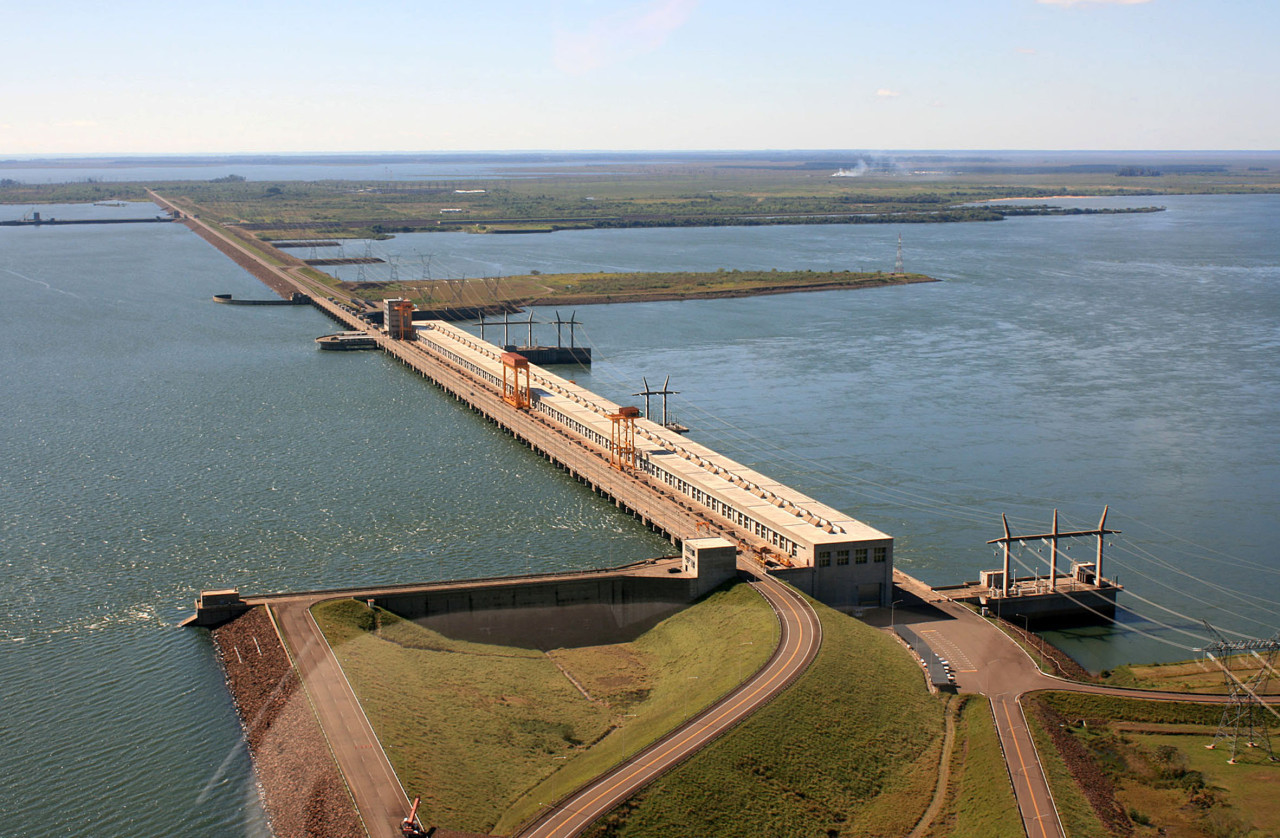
980,801
851,749
1077,814
488,734
1130,767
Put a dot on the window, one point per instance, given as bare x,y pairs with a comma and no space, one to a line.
842,557
860,555
824,558
881,553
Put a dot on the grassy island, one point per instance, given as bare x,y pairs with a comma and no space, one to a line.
594,288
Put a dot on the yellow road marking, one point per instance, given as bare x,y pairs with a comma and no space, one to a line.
1026,779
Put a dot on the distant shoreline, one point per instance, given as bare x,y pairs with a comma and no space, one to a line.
1041,198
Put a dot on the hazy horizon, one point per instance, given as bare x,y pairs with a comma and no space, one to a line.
665,152
141,77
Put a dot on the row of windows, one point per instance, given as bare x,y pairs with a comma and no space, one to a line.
574,425
706,499
718,506
878,555
465,364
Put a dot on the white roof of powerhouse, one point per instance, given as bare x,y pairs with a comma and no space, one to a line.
785,510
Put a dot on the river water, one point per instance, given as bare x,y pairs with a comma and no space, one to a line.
154,443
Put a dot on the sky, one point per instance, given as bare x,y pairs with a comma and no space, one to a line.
136,76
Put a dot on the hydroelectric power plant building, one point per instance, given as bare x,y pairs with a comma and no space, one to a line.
822,551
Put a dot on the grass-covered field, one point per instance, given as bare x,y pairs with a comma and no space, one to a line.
1194,676
487,735
652,198
851,749
1241,799
584,289
1134,767
980,801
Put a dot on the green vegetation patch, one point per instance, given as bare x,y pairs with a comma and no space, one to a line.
980,801
15,192
852,748
1194,788
1111,775
589,288
1076,706
1193,676
594,288
1077,813
487,735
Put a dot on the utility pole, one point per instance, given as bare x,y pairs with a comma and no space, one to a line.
571,323
664,392
1243,713
1053,538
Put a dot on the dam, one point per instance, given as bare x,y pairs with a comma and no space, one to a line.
674,485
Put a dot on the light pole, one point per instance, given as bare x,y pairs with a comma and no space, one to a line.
892,605
625,755
554,784
1033,639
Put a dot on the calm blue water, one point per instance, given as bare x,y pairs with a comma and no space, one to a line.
1070,362
154,443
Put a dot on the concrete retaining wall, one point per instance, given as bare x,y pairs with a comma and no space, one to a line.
547,615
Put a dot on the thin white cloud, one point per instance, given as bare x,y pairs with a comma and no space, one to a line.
1026,51
1100,2
885,93
638,29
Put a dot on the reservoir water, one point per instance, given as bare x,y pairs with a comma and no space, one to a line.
154,443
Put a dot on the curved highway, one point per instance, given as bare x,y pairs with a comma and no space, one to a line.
801,637
382,802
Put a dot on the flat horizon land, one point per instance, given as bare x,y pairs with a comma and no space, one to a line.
273,197
384,193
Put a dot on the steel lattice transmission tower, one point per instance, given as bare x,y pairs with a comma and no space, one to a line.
1246,712
897,263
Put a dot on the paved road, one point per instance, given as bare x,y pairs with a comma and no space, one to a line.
801,637
382,802
986,661
380,799
989,662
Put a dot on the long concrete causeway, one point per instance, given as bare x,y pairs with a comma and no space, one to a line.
991,663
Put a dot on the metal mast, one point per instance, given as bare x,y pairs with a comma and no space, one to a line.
1052,538
897,263
1243,713
664,392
